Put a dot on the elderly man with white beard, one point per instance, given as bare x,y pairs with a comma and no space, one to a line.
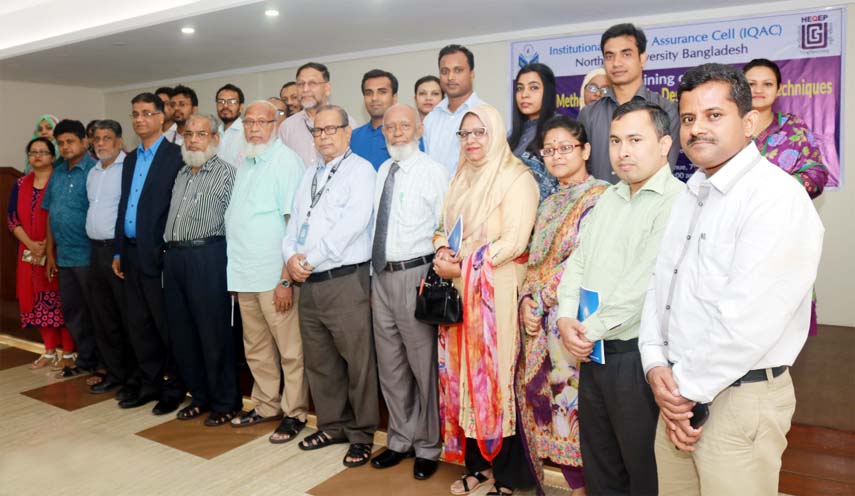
194,276
408,197
255,226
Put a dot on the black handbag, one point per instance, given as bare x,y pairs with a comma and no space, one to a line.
437,301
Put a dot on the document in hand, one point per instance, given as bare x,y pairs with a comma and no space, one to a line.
455,235
589,301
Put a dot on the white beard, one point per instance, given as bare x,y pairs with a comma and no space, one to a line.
252,150
399,153
198,159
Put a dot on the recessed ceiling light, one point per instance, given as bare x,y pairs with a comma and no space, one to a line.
188,30
271,12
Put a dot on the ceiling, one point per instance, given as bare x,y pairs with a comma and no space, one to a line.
151,47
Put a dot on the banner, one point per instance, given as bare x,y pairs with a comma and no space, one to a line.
808,47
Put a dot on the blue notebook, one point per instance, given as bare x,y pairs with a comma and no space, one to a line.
455,235
589,301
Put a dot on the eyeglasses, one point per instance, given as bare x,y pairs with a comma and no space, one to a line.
402,126
227,101
309,84
562,150
251,124
329,130
145,113
478,132
43,153
593,88
188,135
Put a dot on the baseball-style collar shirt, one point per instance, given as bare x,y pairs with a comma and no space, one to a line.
733,280
104,189
440,128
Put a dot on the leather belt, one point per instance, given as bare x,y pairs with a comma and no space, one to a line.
612,346
102,242
409,264
193,243
759,375
334,273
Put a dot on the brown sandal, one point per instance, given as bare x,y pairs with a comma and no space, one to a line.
478,476
43,361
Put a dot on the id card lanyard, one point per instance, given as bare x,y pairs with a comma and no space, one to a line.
316,197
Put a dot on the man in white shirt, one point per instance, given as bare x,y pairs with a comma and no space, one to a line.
106,296
728,308
408,197
169,126
229,101
327,247
456,75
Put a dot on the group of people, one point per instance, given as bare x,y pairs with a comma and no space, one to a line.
324,233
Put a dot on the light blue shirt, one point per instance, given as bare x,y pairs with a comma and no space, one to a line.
104,189
231,143
441,142
255,219
339,229
144,160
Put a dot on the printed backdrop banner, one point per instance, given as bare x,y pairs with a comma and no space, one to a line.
807,45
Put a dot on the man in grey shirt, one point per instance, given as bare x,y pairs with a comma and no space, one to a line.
624,55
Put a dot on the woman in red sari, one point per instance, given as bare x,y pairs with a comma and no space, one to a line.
38,297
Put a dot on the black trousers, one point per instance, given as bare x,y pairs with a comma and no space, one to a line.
107,303
617,427
198,309
73,287
147,330
510,467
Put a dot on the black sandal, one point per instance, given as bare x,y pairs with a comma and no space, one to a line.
290,427
190,412
360,451
319,440
216,419
481,478
497,490
246,419
68,372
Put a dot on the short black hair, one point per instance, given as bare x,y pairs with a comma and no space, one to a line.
658,116
230,87
449,49
345,119
740,91
166,90
69,126
111,125
91,126
316,66
424,79
379,73
149,98
288,84
186,91
46,141
625,29
764,63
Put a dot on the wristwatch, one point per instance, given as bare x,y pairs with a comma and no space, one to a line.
285,283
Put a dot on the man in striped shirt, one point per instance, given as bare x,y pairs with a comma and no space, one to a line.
194,273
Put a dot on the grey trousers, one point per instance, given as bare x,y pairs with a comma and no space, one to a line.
338,355
406,363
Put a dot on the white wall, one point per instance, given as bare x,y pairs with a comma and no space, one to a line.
22,103
836,280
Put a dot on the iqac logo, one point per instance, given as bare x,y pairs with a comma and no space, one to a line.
528,56
814,33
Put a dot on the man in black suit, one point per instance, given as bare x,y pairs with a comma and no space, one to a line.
147,178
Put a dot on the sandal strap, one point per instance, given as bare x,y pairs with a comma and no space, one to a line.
481,478
359,450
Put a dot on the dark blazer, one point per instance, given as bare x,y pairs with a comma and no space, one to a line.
153,206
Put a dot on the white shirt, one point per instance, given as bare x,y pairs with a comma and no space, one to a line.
339,228
231,143
104,189
441,142
170,133
420,186
741,295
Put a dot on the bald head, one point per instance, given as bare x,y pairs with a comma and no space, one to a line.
402,129
258,122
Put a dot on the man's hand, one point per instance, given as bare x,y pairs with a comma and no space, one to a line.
573,337
283,298
667,395
683,435
531,319
297,271
50,268
117,268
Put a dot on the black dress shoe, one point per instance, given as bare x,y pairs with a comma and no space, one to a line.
167,405
424,468
127,392
104,386
137,400
389,458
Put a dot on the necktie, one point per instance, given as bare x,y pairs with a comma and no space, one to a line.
381,231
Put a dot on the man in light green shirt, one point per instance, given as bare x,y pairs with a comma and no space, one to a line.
615,257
